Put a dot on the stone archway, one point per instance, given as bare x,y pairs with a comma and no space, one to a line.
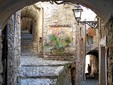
34,14
99,7
13,35
95,6
94,62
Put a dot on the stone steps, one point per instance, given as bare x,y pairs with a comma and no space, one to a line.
42,75
37,81
40,72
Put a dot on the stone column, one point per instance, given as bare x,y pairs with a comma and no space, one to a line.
11,61
13,49
102,73
40,30
79,57
102,56
80,53
17,44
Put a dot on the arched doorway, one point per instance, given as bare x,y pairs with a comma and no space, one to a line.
99,9
11,48
92,59
31,28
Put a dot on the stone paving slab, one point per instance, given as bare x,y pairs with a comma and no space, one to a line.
39,71
91,82
34,60
38,81
45,71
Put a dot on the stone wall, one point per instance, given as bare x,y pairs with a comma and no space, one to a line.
94,66
110,69
56,15
13,48
63,15
107,32
49,9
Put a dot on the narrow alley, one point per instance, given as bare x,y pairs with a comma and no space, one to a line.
91,82
56,42
37,71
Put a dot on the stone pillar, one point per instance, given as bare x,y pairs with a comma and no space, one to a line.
102,56
13,48
17,44
1,67
102,73
80,54
40,30
78,58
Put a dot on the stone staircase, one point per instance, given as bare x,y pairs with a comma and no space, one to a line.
37,71
26,44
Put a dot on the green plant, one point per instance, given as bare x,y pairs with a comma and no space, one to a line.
58,43
58,47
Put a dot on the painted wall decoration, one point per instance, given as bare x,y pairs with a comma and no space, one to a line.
59,37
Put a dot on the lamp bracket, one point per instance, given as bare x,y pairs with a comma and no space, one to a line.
92,24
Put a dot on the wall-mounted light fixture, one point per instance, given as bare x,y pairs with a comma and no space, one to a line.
77,10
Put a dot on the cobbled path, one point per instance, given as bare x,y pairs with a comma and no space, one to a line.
91,82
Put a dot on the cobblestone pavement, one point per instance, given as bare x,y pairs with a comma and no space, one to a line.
34,60
91,82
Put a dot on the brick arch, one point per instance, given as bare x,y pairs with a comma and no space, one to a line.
99,7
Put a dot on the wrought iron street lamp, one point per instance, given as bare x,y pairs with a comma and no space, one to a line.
81,49
77,12
93,24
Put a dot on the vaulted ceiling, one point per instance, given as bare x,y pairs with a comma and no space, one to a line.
103,8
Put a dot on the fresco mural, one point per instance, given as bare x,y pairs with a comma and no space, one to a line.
59,38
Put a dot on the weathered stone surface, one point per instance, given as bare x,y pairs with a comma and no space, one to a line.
37,71
41,71
34,60
108,31
38,81
91,82
80,54
110,69
13,48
